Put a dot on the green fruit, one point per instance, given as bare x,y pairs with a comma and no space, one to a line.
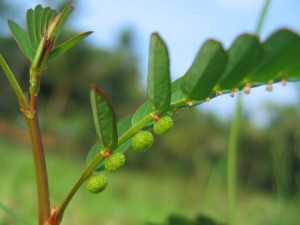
96,183
163,125
115,162
142,141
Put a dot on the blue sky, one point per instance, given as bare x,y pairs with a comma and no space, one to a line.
185,25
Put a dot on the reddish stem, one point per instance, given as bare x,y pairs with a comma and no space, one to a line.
39,162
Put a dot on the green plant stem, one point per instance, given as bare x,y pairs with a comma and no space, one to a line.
29,110
137,127
39,163
14,83
234,137
231,160
262,17
148,119
57,217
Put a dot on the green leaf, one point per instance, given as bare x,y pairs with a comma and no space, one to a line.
45,15
51,15
142,112
244,54
281,48
66,13
14,215
94,151
38,12
22,39
205,71
159,81
67,45
104,117
123,126
30,21
176,91
60,20
178,95
292,71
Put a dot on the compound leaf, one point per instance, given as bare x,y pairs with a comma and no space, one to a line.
38,21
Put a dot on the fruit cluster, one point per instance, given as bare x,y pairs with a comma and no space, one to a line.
140,142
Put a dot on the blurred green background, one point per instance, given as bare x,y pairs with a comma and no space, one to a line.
183,174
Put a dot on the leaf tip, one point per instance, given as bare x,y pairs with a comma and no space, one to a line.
156,35
94,87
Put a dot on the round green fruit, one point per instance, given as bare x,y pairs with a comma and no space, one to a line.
115,162
163,125
96,183
142,141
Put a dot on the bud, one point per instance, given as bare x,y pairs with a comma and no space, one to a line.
190,104
107,155
283,82
156,118
247,88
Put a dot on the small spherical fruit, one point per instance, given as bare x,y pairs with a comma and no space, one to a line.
96,183
163,125
142,141
115,162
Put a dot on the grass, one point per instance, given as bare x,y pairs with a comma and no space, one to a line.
133,196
